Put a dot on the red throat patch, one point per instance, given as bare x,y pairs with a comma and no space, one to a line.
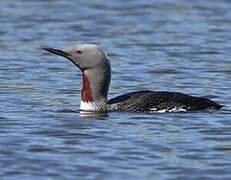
86,90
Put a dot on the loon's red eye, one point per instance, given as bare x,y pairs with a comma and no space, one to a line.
79,52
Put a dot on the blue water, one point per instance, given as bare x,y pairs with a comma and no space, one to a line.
168,45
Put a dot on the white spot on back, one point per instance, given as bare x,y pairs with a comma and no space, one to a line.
175,109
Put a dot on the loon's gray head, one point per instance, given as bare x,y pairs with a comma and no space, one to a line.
96,70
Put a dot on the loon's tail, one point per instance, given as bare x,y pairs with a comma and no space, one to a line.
218,106
205,103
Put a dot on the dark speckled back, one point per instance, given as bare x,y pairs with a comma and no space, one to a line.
159,101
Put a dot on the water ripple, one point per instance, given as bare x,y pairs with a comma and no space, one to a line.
167,45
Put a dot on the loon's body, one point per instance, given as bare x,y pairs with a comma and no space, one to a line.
161,101
96,71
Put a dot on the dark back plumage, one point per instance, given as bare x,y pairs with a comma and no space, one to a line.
160,101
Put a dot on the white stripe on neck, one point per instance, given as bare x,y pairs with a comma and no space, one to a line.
87,106
93,106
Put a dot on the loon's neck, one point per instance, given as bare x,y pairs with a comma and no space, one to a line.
95,88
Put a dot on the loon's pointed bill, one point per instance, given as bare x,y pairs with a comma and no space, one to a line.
56,51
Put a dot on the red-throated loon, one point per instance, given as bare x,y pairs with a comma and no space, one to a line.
96,72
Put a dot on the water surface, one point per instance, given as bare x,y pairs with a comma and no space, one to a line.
163,45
